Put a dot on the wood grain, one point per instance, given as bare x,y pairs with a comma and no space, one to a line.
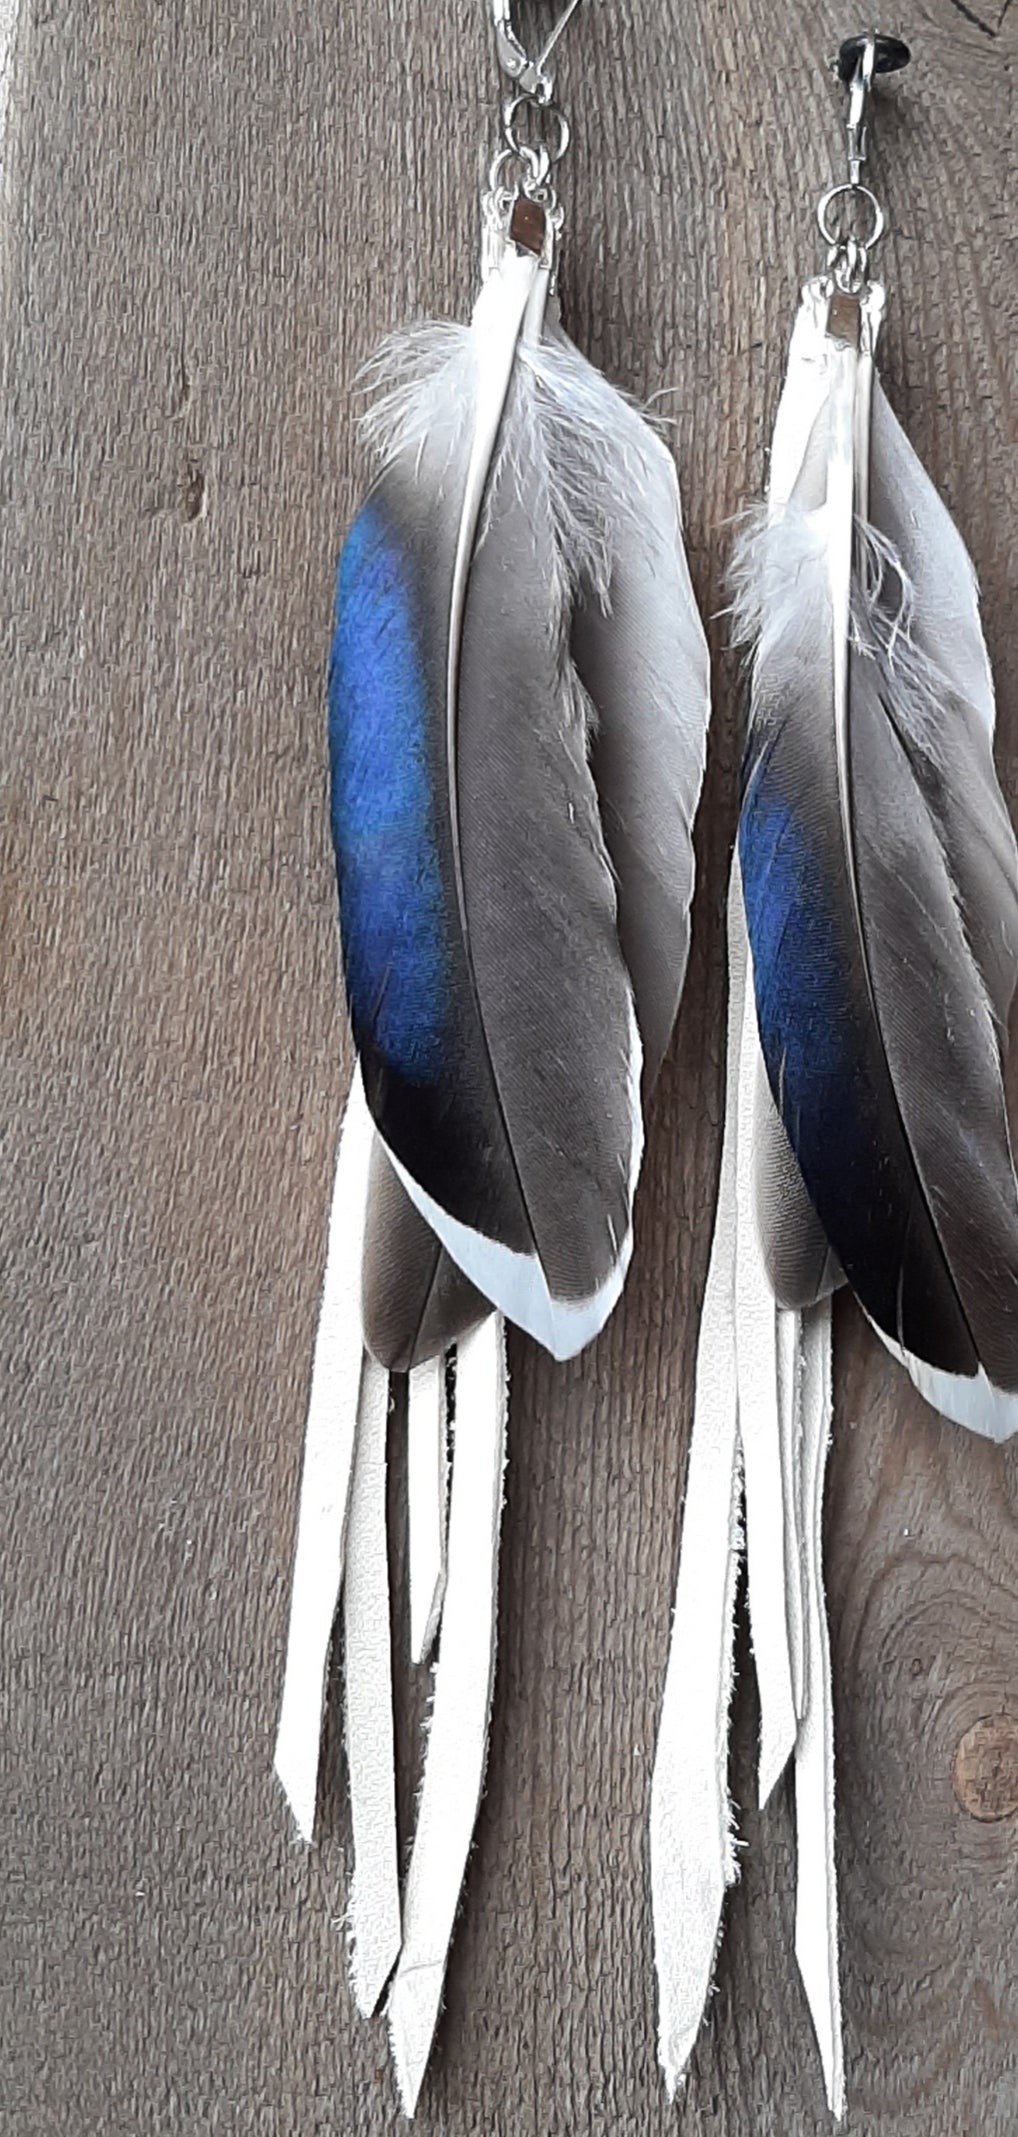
211,213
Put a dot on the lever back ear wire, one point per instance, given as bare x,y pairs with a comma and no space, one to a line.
518,703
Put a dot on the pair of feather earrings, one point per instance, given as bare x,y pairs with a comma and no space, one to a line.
518,714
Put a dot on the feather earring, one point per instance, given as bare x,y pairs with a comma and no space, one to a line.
873,953
518,702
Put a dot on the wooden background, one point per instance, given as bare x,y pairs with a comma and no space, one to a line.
210,213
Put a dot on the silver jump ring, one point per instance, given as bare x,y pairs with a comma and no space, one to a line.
549,113
859,195
499,163
532,163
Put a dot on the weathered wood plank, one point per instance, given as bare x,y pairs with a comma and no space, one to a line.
211,215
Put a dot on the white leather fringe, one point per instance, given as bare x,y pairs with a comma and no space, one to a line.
427,1493
692,1857
373,1918
342,1552
756,1321
816,1904
761,1411
464,1677
329,1441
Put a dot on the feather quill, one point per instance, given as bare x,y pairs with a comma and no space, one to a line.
881,889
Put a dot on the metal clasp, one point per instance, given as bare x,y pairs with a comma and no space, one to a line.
531,75
858,103
859,59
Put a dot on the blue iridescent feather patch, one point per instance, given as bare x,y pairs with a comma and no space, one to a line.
817,1062
799,967
391,895
797,952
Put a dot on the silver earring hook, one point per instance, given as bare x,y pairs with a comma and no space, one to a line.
858,61
850,217
858,106
531,75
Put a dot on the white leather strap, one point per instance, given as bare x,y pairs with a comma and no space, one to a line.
464,1676
367,1677
427,1493
328,1462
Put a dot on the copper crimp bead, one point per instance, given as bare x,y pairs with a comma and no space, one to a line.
528,224
844,319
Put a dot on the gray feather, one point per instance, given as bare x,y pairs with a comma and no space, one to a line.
946,634
642,656
801,1268
416,1302
922,928
552,989
522,539
939,876
513,1123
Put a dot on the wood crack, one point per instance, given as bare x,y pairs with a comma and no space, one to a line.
989,29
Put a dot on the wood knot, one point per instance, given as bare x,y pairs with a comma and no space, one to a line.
986,1768
192,492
